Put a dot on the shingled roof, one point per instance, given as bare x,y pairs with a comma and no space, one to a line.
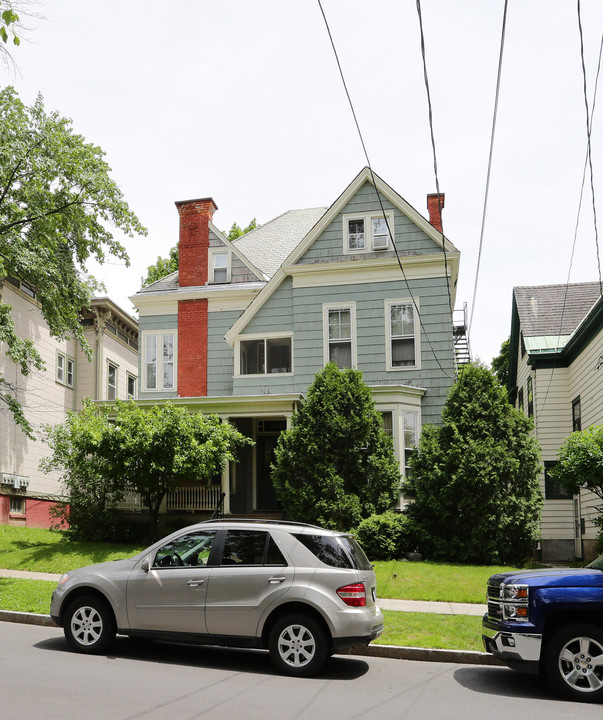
269,245
554,309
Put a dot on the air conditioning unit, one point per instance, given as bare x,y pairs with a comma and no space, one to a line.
381,242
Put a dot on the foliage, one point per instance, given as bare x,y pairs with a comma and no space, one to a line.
8,23
166,266
336,465
236,231
580,462
157,450
14,15
474,479
81,448
150,452
57,202
387,536
580,465
500,364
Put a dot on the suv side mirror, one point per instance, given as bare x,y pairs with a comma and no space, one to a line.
146,564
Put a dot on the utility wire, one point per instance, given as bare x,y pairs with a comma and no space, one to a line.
389,230
494,116
576,226
590,160
435,161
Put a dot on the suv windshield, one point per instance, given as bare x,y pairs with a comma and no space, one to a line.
336,551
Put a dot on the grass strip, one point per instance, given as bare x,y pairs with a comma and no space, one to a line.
455,632
429,581
31,596
427,630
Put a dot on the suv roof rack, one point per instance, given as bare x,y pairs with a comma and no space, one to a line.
251,521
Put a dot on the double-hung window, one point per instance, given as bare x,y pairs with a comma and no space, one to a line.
65,370
111,381
159,361
220,266
258,356
402,336
340,334
576,415
131,386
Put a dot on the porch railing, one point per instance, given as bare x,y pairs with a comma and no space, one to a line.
187,498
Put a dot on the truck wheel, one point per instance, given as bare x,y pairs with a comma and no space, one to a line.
573,662
298,646
89,625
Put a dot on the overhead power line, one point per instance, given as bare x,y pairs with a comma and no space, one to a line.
487,190
389,230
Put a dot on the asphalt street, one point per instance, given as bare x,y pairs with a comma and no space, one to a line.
41,678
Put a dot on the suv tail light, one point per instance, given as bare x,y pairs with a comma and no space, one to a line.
353,595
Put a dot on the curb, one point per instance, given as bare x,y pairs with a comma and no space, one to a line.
466,657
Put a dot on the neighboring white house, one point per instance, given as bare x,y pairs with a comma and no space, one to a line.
556,377
26,494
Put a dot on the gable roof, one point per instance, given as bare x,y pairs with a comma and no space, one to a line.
549,310
270,244
383,189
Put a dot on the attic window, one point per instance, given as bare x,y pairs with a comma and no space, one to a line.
220,266
366,232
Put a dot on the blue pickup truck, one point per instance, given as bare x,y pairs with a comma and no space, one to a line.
551,622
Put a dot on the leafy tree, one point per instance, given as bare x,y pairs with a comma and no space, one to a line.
580,466
57,202
336,465
81,449
500,364
150,452
163,447
474,479
168,265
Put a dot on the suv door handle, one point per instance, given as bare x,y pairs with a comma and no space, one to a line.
274,579
195,583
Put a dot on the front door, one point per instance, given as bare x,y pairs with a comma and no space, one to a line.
266,440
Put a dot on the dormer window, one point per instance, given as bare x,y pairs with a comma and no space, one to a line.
220,266
364,233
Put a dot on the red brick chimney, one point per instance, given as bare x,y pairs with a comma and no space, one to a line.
192,314
194,240
435,205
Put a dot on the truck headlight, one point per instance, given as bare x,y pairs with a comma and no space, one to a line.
515,602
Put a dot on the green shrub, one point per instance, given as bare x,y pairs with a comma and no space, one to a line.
386,536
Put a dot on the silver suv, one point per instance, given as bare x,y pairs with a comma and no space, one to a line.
298,590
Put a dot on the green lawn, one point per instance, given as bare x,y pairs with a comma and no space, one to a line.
434,581
31,596
47,551
426,630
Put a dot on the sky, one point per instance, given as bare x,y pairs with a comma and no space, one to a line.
242,101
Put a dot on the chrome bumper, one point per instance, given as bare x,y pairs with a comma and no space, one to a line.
508,646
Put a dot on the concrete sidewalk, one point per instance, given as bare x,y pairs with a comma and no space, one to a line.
440,608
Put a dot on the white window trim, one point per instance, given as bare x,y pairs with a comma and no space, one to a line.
131,376
159,335
116,366
351,306
368,231
219,251
66,360
388,335
260,336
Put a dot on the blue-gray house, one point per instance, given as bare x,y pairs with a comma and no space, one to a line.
243,327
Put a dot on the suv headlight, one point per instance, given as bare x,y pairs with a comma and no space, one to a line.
515,602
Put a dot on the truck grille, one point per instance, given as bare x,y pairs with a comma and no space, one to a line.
494,601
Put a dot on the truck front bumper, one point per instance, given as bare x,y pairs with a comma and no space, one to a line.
520,651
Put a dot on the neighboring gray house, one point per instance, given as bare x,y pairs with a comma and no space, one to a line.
556,377
243,327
